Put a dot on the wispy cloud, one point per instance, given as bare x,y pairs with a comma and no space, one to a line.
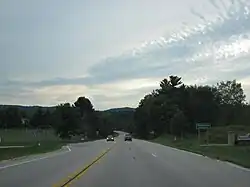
212,50
210,47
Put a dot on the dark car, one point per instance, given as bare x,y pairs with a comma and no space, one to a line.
110,138
128,137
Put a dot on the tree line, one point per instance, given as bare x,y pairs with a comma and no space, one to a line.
79,118
175,108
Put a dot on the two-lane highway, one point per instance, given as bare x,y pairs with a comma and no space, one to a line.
136,163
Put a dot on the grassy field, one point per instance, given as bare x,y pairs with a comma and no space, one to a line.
29,138
26,137
10,153
236,154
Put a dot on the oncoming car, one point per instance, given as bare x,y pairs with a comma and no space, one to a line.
128,137
110,138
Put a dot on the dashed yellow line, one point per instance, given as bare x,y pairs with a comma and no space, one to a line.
66,182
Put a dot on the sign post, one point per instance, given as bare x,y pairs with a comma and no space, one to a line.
203,126
199,135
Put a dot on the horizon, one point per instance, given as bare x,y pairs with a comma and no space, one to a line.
53,52
28,106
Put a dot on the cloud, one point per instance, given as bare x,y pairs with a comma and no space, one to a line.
205,53
208,52
212,45
102,96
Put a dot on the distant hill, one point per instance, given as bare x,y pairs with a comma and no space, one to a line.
24,107
29,110
123,109
120,118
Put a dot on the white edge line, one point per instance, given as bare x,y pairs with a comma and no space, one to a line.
200,155
36,159
68,148
235,165
17,146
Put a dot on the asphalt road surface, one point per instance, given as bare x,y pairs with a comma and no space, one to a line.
121,164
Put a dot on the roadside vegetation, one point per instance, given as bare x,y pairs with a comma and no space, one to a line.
21,142
235,154
168,115
13,152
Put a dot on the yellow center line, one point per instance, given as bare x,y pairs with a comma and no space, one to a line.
76,175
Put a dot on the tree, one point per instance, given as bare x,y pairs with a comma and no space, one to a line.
142,116
38,120
142,125
231,93
103,124
175,81
231,97
84,105
202,104
88,119
178,124
11,118
68,118
155,110
161,110
165,85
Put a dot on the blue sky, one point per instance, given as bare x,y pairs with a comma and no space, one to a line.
115,51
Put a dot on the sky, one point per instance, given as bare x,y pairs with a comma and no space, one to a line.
115,51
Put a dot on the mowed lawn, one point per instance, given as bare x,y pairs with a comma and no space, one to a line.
35,141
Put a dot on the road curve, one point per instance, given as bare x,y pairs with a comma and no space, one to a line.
127,164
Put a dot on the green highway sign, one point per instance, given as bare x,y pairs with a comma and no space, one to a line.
203,126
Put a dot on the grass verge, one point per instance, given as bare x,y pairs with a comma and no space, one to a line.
236,154
10,153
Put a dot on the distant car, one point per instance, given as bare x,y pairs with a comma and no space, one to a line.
110,138
128,137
